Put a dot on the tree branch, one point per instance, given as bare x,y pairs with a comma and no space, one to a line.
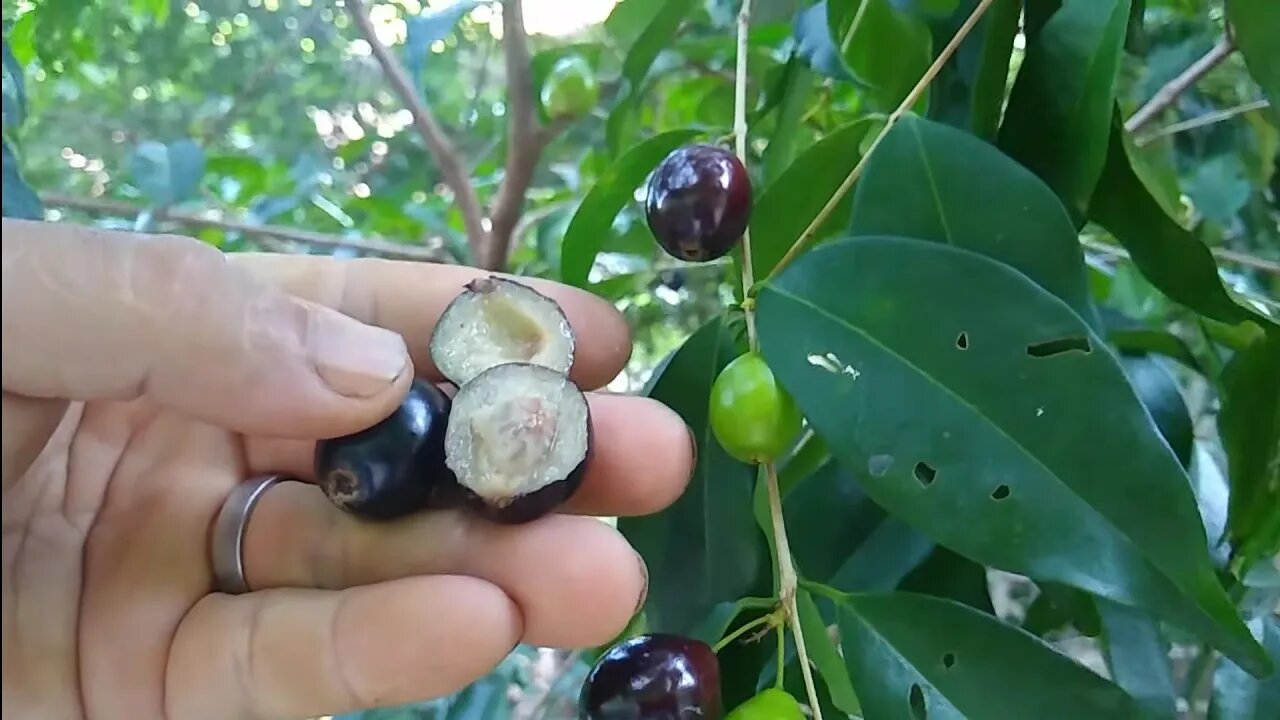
1200,121
1169,92
442,149
380,248
525,139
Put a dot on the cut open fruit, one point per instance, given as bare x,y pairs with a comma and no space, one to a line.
497,321
518,442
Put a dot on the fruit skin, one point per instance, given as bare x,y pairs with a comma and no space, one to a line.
770,704
396,467
699,202
570,89
752,416
654,677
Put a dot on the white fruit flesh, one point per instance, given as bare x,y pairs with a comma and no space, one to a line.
497,321
515,429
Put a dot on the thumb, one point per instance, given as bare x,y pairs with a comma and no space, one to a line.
93,314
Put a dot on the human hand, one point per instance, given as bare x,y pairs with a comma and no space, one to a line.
147,376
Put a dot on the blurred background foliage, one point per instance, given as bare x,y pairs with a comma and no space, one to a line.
272,125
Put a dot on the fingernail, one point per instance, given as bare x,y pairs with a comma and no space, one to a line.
354,359
644,590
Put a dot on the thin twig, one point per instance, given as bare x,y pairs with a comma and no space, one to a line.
275,232
1169,92
809,232
526,139
740,148
1233,256
1204,120
442,149
787,583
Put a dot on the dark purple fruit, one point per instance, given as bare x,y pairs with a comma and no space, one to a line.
699,202
496,321
396,467
519,441
654,677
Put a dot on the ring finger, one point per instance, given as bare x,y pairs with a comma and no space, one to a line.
576,580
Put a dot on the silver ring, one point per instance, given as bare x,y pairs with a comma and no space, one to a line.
229,529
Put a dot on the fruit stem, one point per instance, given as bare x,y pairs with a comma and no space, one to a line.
787,586
740,148
747,627
807,236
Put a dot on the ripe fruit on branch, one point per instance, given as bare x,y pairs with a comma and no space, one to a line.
653,677
699,202
570,89
518,442
396,467
496,321
753,417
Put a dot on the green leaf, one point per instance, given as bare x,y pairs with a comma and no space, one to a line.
787,207
591,222
656,36
1256,24
1173,260
887,50
1239,696
969,91
1250,427
958,403
927,8
934,182
19,200
1159,392
1138,657
1059,110
814,44
1219,189
704,549
915,656
167,174
824,656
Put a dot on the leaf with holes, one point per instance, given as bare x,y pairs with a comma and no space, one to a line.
966,392
595,215
706,548
788,206
167,174
955,180
1059,109
913,656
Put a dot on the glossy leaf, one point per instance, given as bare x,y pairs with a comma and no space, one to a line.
1250,427
958,405
1159,392
1256,24
1059,111
913,656
704,549
887,50
167,174
1237,695
935,182
824,656
1166,254
1138,658
788,206
594,217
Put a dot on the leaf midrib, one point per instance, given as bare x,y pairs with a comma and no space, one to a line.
1176,580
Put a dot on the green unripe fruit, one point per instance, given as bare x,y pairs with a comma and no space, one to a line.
753,417
570,89
770,704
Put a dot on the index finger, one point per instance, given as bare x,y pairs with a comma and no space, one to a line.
408,298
